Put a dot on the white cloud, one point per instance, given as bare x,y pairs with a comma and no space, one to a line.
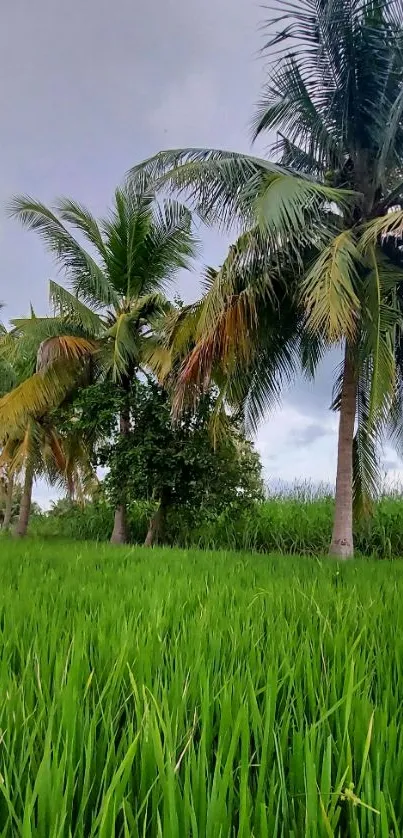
285,458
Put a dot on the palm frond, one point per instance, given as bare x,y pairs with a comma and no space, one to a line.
234,189
393,197
35,396
149,308
346,52
328,290
292,156
248,276
245,334
141,245
381,318
389,131
67,348
125,230
272,369
366,464
147,242
125,345
383,226
85,276
157,358
289,208
82,219
132,332
71,308
394,425
169,246
53,443
289,106
23,448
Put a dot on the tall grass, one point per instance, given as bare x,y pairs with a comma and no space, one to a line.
169,693
293,523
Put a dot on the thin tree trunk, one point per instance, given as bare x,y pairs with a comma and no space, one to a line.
120,530
342,545
25,506
156,527
9,502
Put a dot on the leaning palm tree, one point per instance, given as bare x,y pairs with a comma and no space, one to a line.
39,450
32,444
330,203
116,296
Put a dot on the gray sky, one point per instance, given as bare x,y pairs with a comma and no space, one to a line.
88,89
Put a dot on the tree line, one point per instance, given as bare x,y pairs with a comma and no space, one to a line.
316,262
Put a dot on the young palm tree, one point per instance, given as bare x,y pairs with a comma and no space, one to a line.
331,201
117,294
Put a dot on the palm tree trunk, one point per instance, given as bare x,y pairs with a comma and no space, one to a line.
342,545
9,502
156,527
120,530
25,506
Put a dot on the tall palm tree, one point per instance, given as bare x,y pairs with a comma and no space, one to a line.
116,296
330,203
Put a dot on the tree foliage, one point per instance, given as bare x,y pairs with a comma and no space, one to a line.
173,462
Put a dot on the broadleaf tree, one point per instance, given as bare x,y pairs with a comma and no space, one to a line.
175,464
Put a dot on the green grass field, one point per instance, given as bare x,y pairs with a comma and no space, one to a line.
170,693
298,523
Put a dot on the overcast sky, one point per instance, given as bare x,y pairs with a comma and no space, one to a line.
88,89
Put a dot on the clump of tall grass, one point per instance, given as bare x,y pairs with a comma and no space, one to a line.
172,693
292,520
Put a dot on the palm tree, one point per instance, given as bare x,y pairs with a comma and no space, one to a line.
116,296
40,450
329,205
32,444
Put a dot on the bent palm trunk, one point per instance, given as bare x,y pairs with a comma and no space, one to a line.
156,528
342,545
25,506
120,533
9,502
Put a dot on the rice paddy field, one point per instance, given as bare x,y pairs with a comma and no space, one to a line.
187,693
